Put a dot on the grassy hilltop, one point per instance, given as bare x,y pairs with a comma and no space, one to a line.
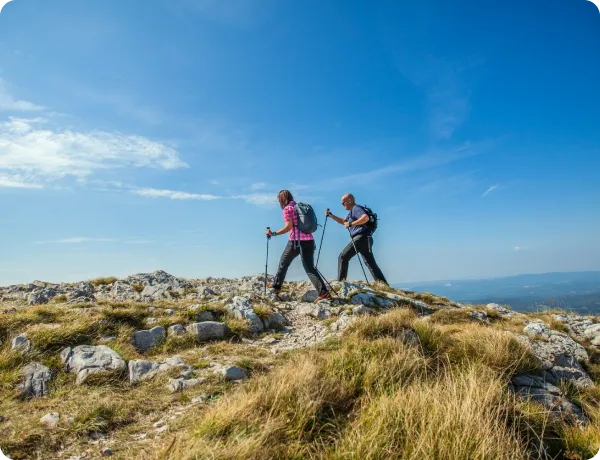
225,372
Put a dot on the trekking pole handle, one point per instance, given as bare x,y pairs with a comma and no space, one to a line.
268,237
327,212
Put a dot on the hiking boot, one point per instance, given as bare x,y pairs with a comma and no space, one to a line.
324,296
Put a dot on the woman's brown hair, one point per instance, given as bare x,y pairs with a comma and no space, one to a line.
284,198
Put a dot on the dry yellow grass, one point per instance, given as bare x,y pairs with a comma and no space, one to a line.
394,386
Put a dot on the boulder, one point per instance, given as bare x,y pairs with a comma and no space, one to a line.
21,343
181,384
35,379
370,300
85,360
148,339
241,307
319,311
140,370
232,373
276,321
310,296
176,329
208,330
559,355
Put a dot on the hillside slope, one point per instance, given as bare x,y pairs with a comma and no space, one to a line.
154,366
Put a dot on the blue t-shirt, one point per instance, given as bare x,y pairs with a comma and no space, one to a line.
356,213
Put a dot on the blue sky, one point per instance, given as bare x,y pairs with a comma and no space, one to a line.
137,136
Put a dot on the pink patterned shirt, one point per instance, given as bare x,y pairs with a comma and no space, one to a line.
290,214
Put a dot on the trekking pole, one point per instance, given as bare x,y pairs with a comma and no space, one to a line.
267,262
322,235
360,261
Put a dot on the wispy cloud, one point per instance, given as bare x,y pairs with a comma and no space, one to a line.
258,186
413,164
10,104
86,239
78,240
17,181
31,147
173,195
490,190
260,199
519,248
443,83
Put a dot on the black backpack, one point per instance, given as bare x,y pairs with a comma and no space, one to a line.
372,224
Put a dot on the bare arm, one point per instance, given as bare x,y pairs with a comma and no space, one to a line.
288,226
361,221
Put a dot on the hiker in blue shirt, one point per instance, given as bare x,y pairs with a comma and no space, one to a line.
362,239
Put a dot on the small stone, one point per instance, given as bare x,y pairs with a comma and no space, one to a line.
362,310
200,399
21,343
106,452
159,424
232,373
50,420
170,312
176,329
479,316
162,429
180,384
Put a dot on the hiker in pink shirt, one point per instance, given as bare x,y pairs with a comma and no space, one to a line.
298,243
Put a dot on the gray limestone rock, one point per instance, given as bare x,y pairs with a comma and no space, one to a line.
208,330
85,360
148,339
35,378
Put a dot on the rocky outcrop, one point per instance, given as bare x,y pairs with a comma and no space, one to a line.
548,395
559,355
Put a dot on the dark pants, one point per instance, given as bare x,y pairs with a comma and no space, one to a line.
290,252
364,245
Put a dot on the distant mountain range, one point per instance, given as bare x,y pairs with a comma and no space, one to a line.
577,291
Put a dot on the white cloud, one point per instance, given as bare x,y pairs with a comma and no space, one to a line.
17,181
258,186
173,195
8,103
259,199
422,162
490,190
77,240
519,248
26,147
